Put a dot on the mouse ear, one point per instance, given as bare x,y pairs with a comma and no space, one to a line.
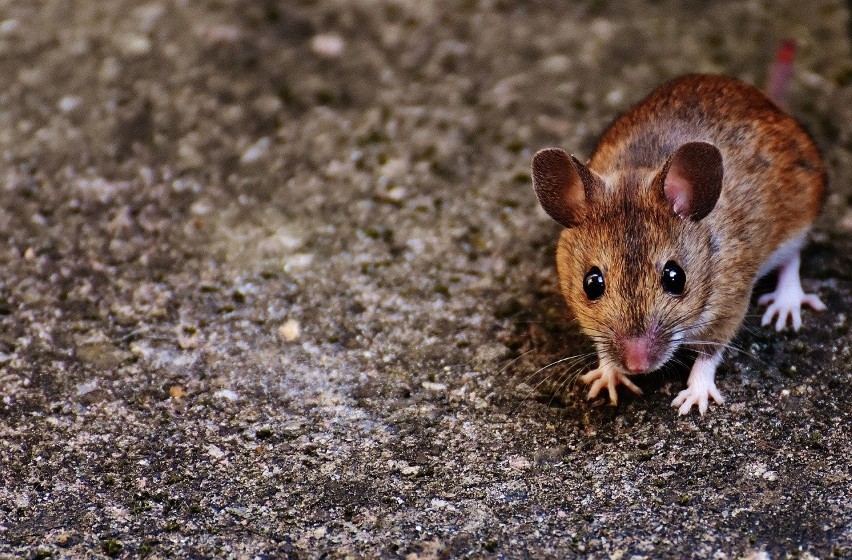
692,180
562,185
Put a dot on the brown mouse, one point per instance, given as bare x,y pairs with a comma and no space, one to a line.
689,198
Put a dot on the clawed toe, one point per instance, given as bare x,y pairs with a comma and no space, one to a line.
783,314
607,378
813,301
599,384
690,397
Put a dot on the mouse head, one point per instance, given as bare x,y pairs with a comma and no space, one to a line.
634,259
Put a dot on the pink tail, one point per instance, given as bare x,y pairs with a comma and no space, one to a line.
781,73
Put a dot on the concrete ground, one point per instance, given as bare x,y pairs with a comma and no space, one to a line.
275,284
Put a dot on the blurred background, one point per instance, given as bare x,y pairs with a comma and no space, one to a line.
206,89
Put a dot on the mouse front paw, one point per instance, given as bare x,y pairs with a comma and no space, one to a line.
699,395
700,387
607,377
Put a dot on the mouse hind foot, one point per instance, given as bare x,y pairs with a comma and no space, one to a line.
788,298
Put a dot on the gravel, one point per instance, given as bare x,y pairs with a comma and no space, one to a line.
275,284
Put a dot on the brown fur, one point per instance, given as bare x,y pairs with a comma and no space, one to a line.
773,188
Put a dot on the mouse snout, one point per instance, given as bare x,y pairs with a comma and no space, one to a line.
637,354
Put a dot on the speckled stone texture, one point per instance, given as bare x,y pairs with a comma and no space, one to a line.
275,285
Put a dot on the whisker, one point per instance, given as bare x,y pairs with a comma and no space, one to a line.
512,362
575,360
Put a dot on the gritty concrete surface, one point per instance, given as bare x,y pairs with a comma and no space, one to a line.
274,284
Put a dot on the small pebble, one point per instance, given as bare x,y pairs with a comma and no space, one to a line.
226,394
298,261
436,387
289,331
519,463
177,392
256,151
412,470
615,97
133,44
327,45
215,452
69,103
9,25
397,194
86,388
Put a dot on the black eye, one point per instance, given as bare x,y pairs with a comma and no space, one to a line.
674,278
593,283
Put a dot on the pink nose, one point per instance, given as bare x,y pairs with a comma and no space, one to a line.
637,354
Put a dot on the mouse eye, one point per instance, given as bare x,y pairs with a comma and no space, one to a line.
674,278
593,283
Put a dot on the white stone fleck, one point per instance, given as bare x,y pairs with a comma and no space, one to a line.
298,261
256,151
226,394
327,45
133,44
200,208
411,470
615,97
9,25
289,331
69,103
435,387
397,193
215,452
86,388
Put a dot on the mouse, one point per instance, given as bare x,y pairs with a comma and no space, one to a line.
690,197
